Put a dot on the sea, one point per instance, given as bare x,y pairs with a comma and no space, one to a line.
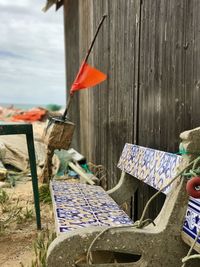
23,106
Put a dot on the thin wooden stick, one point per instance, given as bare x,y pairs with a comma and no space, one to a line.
68,106
94,39
81,173
85,60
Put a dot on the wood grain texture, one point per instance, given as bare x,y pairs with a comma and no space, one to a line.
115,54
150,50
71,25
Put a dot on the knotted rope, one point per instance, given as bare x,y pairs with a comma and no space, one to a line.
188,257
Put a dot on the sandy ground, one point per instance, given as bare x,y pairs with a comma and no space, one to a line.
16,242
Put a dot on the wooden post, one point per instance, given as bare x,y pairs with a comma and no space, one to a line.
57,135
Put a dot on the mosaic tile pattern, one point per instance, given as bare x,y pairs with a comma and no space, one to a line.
191,225
80,205
155,168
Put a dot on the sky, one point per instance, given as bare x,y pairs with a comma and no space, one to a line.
32,63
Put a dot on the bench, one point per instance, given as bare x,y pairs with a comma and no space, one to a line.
83,211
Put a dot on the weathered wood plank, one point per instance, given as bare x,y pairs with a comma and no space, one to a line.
71,23
161,94
86,106
115,53
106,111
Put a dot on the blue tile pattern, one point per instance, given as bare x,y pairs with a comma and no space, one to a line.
191,224
79,205
155,168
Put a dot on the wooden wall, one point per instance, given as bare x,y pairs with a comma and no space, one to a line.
71,23
168,75
107,111
166,66
150,50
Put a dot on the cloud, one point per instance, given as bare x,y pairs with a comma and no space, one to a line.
7,54
32,68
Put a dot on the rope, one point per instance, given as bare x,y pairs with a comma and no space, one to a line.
141,222
188,257
194,163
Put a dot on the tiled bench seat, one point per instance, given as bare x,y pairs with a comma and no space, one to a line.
80,205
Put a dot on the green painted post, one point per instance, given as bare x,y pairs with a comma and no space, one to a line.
27,129
32,160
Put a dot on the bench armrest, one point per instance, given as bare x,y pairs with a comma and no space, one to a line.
124,189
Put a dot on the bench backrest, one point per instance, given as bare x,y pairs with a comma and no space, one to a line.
156,168
153,167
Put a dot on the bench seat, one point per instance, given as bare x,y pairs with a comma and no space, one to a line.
79,205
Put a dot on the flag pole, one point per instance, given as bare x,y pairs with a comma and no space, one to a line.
95,36
68,106
85,60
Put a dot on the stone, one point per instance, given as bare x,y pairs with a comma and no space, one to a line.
4,185
193,134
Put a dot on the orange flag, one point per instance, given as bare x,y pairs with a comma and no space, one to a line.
87,77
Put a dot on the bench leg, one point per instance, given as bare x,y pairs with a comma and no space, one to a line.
152,249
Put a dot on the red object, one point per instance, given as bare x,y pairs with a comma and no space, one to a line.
87,77
32,115
191,187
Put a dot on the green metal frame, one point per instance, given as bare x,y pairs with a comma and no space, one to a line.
27,129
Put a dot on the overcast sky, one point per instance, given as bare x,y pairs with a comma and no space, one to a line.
32,69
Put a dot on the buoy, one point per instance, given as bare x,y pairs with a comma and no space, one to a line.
193,187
